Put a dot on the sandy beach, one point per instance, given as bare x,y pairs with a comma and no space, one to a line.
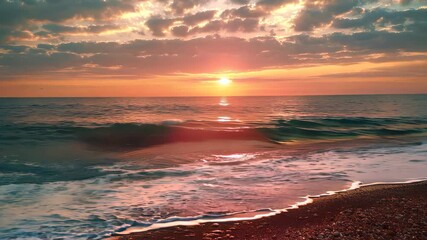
392,211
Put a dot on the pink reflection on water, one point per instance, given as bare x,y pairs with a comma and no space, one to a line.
224,119
223,102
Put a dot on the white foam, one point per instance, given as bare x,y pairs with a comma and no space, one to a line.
167,223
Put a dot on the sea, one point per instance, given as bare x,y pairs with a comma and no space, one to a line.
90,168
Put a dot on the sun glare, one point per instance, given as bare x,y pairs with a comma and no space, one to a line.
224,81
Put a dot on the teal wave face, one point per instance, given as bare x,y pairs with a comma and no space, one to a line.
333,128
133,135
13,172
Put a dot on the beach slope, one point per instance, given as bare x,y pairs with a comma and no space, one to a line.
392,211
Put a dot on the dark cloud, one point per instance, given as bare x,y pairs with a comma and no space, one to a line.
19,18
243,19
233,25
319,13
8,34
180,31
88,47
16,12
262,9
382,41
212,26
95,29
56,28
199,17
245,12
33,62
46,46
240,2
380,17
158,26
15,49
239,25
179,7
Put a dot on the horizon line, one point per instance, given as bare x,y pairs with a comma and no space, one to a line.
213,96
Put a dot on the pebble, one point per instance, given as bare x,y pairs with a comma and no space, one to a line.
384,218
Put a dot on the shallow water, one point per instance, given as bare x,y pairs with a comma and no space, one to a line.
89,167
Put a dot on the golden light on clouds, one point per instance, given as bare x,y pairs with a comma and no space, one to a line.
168,48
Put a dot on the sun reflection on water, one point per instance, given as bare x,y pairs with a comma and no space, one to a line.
224,119
223,102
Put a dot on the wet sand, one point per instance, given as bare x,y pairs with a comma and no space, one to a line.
373,212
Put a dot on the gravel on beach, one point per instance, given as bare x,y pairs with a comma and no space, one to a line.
393,211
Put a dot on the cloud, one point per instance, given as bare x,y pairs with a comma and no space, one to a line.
382,41
158,26
8,34
20,18
88,47
46,46
246,25
274,4
319,13
16,12
245,12
380,18
179,7
33,62
94,29
199,17
231,26
210,54
417,70
180,31
15,49
240,2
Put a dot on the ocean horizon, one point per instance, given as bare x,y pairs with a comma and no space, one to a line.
218,96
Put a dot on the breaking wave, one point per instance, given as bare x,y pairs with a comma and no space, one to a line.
144,135
132,135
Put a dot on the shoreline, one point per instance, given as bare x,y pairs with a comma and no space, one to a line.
303,219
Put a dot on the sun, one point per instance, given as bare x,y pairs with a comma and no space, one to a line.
224,81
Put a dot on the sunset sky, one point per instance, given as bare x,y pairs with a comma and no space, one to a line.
183,47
